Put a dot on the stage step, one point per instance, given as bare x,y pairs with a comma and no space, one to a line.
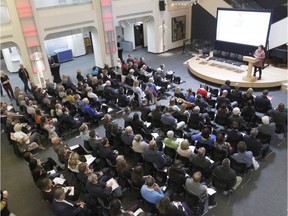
284,87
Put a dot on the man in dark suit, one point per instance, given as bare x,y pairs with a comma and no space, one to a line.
254,145
24,76
262,102
64,208
97,188
227,175
200,160
177,177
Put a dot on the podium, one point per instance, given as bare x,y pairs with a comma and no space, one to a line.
251,61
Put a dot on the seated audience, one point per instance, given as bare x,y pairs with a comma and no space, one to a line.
184,150
243,156
193,186
151,192
227,175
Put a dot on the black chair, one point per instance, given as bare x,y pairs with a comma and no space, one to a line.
224,56
221,184
135,190
185,161
209,149
216,55
194,203
160,175
219,155
170,152
264,138
148,168
240,168
87,146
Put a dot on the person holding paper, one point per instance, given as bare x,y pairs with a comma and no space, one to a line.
168,208
101,189
193,186
259,54
48,188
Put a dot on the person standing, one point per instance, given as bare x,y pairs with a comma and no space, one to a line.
6,85
24,76
259,54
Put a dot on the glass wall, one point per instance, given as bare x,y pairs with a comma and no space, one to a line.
58,3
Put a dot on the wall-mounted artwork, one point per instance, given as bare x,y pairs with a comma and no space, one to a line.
178,28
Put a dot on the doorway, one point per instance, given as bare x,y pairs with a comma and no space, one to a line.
138,34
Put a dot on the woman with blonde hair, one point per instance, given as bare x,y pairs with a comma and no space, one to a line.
122,168
73,162
184,150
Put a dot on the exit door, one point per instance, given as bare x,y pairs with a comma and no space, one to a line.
138,34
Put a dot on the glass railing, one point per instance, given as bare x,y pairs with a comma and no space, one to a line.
243,4
39,4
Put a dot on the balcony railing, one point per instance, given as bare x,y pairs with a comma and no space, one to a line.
40,4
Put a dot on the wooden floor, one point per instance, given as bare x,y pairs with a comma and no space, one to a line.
217,72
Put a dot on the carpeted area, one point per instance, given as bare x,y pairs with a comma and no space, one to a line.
264,194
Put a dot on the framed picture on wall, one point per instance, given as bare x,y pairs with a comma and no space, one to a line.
178,28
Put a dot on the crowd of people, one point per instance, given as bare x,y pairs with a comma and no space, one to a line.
198,138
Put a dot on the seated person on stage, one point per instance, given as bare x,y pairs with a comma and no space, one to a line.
227,175
151,192
254,145
193,186
243,156
63,207
152,155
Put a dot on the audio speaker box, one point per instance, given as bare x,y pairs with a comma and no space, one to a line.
162,5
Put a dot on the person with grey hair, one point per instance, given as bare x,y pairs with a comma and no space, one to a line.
127,136
32,140
254,145
90,111
170,141
200,160
100,188
226,174
224,99
268,128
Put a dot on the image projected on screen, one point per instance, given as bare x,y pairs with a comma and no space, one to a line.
243,27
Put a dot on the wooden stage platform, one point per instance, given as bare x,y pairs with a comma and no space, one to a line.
218,72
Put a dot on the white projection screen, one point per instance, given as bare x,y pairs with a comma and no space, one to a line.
243,26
